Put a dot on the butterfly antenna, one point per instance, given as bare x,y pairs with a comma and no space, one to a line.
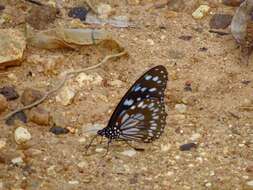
88,146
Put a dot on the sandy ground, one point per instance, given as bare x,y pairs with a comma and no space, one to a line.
216,117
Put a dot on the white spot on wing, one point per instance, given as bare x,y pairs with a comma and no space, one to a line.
148,77
155,78
152,89
128,102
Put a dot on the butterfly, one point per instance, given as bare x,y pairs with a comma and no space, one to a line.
140,115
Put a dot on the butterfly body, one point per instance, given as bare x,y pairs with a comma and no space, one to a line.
140,115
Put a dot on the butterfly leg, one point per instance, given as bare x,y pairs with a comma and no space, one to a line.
137,149
88,146
107,148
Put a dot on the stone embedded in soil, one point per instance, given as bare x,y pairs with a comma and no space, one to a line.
249,169
58,130
17,161
22,135
2,143
3,103
30,96
21,116
220,21
185,37
84,79
91,128
200,12
249,185
78,12
66,96
2,7
181,108
130,152
31,152
99,149
83,164
233,3
40,17
104,10
188,146
165,147
176,5
39,115
9,92
195,136
116,83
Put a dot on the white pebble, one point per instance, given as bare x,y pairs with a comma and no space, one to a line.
66,96
195,136
250,183
165,147
200,12
17,161
129,153
74,182
2,143
181,108
208,184
22,135
99,149
82,164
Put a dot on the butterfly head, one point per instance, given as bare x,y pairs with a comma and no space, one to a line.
101,132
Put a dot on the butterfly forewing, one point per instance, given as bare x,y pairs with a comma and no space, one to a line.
140,115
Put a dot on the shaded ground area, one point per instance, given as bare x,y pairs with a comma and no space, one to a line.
218,117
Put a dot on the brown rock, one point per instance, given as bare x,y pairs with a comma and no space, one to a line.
233,3
9,93
40,16
30,95
249,169
3,103
220,21
39,115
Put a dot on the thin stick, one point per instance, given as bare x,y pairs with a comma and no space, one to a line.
61,84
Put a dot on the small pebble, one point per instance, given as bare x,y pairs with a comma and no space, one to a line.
130,152
249,169
104,10
31,152
185,37
73,182
99,149
116,83
2,7
58,130
9,93
195,136
39,115
3,103
203,49
82,164
181,108
22,135
17,161
78,12
165,148
66,96
200,12
151,42
208,184
176,54
188,146
2,143
250,184
30,95
220,21
82,140
21,116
